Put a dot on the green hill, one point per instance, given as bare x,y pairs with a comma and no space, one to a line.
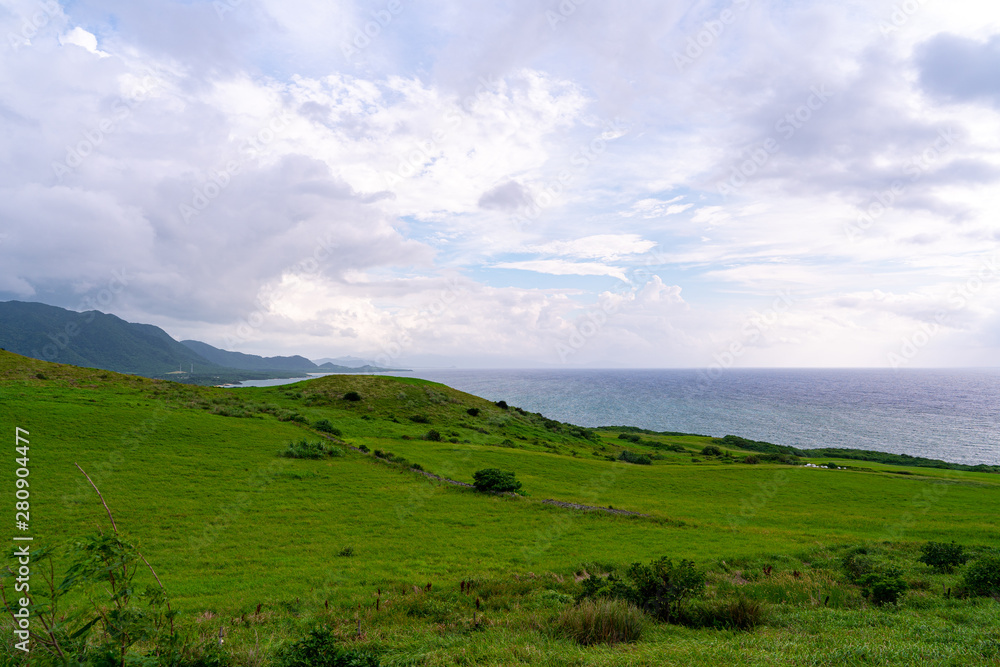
259,549
249,362
93,339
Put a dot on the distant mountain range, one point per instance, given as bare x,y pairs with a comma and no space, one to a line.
98,340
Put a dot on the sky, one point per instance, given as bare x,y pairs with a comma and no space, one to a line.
518,183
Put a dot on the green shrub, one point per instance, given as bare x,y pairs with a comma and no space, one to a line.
290,416
352,396
661,586
346,552
982,576
502,405
319,649
711,450
752,459
883,587
416,466
473,412
943,557
632,457
631,437
858,563
364,448
420,419
493,480
658,588
304,449
605,621
325,426
433,436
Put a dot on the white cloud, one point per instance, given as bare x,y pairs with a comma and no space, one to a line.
608,247
80,37
560,267
416,158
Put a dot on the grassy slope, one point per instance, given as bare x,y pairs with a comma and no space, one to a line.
228,524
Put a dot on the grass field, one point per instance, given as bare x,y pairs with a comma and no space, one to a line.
193,474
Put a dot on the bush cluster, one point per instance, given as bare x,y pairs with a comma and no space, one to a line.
943,557
632,457
320,647
658,588
325,426
305,449
982,576
493,480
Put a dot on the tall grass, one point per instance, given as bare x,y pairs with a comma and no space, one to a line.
603,621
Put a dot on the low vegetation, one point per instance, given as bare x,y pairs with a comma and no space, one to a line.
358,558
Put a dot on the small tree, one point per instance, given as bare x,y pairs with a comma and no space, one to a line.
493,480
943,557
883,587
352,396
661,586
982,577
325,426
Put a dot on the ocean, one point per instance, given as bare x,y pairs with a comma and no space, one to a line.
948,414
